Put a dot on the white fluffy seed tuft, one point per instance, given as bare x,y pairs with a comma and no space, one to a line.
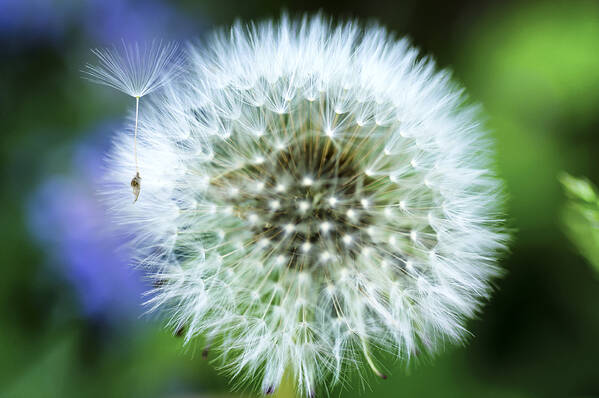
136,69
312,194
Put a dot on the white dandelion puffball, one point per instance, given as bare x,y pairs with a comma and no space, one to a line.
314,195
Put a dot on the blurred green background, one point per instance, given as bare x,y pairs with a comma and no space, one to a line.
71,322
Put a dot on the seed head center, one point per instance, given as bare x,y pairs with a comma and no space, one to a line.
310,210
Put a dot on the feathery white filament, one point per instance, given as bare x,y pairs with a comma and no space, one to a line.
136,69
314,193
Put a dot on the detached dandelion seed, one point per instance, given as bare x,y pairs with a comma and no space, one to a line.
136,71
317,193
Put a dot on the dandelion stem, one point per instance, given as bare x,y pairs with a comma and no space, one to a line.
370,361
287,388
135,133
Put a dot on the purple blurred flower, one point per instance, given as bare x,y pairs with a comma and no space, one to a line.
109,21
102,21
71,224
43,20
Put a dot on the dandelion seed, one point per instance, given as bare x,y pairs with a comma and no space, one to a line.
136,71
205,352
136,185
333,246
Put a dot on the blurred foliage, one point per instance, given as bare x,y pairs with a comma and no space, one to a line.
532,64
535,68
581,216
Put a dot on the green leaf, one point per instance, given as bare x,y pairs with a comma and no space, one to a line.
581,216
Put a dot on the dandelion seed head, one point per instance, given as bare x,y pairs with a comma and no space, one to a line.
362,215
